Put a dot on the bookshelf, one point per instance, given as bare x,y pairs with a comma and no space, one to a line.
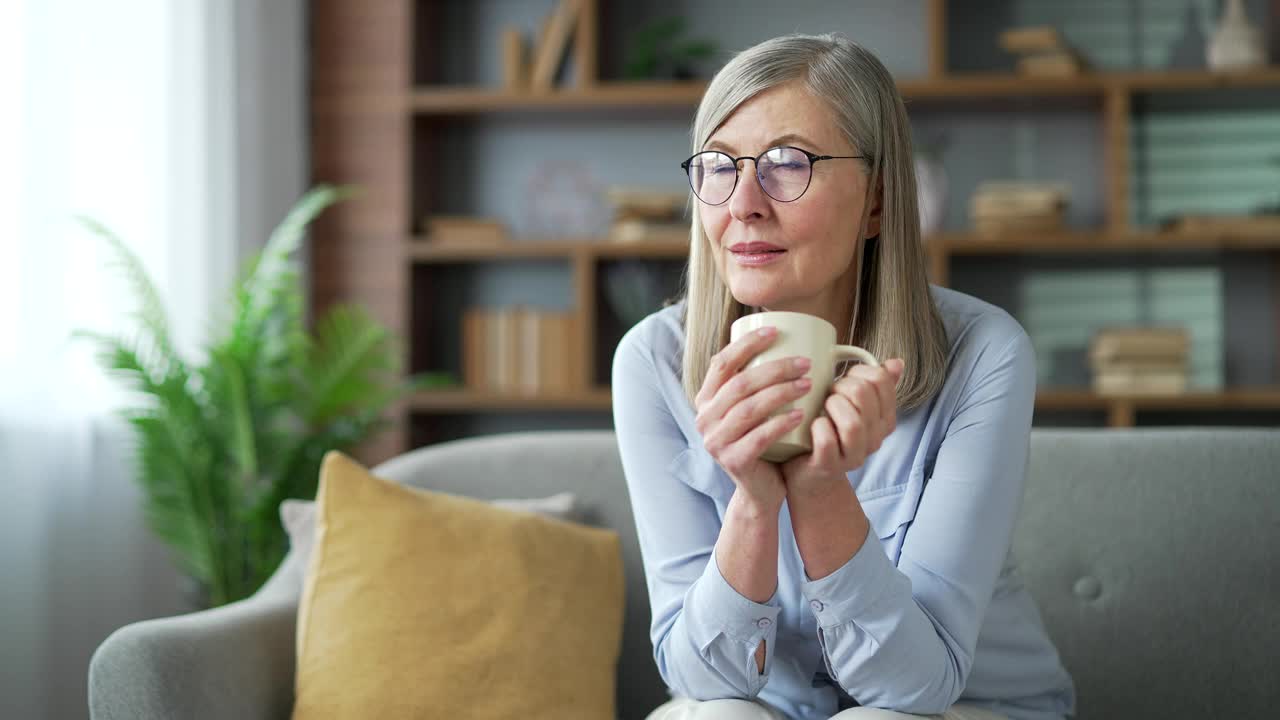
369,104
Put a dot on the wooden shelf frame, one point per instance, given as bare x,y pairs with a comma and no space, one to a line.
1107,87
424,252
950,244
365,102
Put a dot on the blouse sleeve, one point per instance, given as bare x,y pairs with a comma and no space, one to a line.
705,634
903,637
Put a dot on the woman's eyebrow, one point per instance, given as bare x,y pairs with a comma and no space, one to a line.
780,140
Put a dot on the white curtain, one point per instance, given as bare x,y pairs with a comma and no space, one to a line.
132,113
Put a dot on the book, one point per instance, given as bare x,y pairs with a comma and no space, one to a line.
647,231
1001,198
1140,342
458,230
515,67
474,336
551,45
1018,224
1060,63
528,358
1041,38
646,204
1138,366
1119,382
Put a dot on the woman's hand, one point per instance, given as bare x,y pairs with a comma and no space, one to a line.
861,411
735,413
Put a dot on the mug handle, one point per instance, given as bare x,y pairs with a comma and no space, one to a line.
853,352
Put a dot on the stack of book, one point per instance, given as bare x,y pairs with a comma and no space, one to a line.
641,215
461,230
1005,207
1042,51
1063,310
521,350
1140,361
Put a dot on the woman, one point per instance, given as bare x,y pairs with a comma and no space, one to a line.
871,577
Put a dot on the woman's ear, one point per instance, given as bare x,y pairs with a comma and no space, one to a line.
875,210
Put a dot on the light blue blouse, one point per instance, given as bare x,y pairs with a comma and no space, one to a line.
931,614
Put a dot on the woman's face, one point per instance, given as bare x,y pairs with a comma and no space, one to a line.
812,241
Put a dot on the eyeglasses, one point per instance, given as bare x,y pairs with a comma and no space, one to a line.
784,173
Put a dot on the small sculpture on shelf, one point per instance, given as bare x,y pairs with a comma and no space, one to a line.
1236,43
563,199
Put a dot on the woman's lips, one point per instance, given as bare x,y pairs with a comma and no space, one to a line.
756,254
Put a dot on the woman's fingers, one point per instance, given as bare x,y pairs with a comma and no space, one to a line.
851,427
859,387
754,409
752,445
744,385
826,446
873,390
731,359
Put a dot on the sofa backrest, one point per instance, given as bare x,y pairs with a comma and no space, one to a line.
1151,553
1154,556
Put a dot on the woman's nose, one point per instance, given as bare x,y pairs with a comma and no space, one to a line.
748,201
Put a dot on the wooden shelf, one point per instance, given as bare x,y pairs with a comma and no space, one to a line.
955,243
1087,241
462,400
1259,398
1174,80
971,86
424,252
463,100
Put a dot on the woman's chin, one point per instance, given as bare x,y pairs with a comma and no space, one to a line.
754,296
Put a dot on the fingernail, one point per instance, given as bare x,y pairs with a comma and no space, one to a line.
802,363
804,383
767,331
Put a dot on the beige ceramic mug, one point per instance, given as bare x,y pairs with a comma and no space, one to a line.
803,335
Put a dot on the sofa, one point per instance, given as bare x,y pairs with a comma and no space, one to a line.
1154,555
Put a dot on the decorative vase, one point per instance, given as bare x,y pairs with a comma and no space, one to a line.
931,194
1236,44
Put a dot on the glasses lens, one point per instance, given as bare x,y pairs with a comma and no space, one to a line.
712,176
784,173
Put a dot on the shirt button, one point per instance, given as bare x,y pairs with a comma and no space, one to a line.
816,605
806,708
764,623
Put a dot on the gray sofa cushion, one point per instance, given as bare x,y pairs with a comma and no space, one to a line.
1153,555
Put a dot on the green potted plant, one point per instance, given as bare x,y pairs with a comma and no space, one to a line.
220,442
661,50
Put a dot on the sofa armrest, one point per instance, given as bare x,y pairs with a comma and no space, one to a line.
236,661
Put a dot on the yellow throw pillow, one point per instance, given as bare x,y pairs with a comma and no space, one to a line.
420,604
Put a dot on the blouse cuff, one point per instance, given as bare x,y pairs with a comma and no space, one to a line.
722,608
848,592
